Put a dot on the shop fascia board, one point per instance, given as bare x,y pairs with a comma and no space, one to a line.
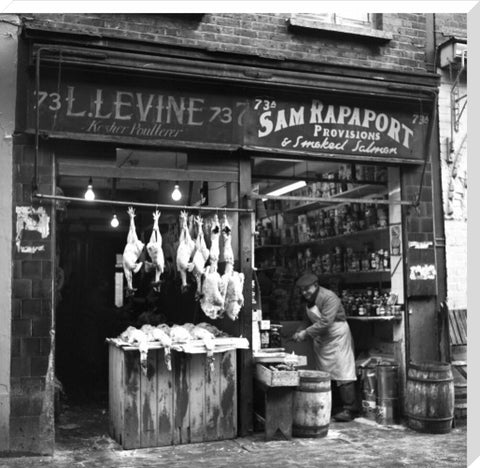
373,84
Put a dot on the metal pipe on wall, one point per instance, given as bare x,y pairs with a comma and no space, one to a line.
41,196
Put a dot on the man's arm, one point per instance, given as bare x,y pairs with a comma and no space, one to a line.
328,308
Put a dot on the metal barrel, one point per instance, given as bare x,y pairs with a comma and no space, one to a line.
369,392
387,393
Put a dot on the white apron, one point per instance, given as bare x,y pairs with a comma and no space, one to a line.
333,350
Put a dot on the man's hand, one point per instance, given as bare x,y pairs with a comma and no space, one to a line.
300,336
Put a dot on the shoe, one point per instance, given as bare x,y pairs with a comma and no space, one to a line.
344,416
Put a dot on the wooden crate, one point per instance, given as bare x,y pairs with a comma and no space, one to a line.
276,378
190,403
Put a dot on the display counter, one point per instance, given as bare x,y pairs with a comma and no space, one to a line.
195,401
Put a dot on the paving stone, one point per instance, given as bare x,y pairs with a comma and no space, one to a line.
83,441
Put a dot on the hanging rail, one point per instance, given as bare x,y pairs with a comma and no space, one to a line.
148,205
339,200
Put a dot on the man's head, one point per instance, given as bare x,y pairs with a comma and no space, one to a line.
308,285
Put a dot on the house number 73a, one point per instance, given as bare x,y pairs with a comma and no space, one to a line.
264,104
420,119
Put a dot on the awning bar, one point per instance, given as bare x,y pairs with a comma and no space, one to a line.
330,200
147,205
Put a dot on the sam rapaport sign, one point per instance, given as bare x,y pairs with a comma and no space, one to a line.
315,124
318,125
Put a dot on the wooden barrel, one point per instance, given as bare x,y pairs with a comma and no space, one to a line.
312,404
429,397
460,411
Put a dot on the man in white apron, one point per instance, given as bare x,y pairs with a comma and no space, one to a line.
332,341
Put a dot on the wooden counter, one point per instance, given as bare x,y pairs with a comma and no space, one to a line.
190,403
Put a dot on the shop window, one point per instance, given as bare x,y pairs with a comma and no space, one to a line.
358,24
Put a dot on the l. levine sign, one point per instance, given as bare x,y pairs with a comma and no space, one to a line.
315,124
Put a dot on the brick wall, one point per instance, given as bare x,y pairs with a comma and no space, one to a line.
450,24
419,221
31,421
453,154
265,35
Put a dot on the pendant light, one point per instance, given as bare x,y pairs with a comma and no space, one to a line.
176,194
114,221
90,194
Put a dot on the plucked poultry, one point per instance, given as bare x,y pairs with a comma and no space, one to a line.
185,249
136,337
226,232
157,334
164,327
214,244
154,249
212,329
200,257
132,251
179,334
199,333
234,295
212,298
232,280
208,338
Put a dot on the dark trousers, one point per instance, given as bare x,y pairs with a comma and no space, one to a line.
344,396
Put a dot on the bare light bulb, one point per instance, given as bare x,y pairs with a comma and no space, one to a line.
176,194
90,194
114,222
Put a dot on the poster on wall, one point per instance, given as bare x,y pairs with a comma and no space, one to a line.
421,269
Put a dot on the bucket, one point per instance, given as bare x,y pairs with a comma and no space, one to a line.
429,398
387,393
312,404
369,392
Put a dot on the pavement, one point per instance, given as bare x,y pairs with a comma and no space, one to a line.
82,440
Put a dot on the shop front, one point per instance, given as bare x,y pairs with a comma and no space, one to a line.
134,126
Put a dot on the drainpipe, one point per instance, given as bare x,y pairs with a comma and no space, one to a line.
438,214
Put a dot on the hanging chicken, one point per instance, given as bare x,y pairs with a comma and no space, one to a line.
200,257
232,280
212,299
185,249
234,295
154,249
226,232
214,243
131,253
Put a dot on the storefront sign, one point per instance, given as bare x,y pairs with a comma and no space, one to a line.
318,124
147,114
